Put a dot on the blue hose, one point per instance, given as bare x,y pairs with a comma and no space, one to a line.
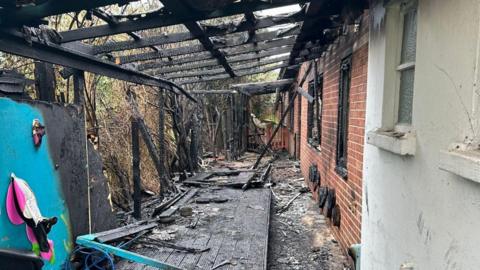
93,257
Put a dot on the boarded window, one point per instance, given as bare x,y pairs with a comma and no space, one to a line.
343,112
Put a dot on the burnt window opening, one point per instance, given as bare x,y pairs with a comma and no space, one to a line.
291,114
343,112
314,112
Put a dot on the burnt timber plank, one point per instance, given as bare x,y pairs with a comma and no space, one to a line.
239,74
190,260
263,85
238,68
184,200
115,236
160,19
175,61
206,55
213,49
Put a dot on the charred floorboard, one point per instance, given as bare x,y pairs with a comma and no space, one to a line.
236,233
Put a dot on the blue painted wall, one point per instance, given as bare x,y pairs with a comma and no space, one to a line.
35,165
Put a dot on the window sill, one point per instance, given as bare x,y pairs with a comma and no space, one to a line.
399,143
462,162
342,172
315,148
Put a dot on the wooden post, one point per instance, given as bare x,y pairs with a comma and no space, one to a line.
161,140
45,81
137,193
79,87
290,105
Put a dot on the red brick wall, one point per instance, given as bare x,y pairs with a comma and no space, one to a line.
349,191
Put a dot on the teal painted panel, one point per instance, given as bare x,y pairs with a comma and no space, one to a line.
35,165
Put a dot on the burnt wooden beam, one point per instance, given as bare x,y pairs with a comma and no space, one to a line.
239,74
215,92
160,20
174,61
197,61
112,21
162,152
314,11
206,72
185,67
210,31
45,81
79,87
179,7
265,53
147,139
160,54
33,13
263,85
255,47
270,140
137,192
14,42
208,46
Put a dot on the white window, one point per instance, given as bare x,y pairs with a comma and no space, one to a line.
396,133
406,67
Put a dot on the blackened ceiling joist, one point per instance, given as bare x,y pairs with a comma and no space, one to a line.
160,19
112,21
263,87
183,72
32,14
205,59
179,7
239,74
221,29
225,51
15,43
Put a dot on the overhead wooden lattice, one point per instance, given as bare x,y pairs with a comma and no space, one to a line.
243,43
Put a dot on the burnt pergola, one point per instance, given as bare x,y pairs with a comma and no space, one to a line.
242,43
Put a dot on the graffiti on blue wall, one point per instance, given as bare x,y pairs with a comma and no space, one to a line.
18,155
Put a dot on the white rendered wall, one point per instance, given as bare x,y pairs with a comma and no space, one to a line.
413,212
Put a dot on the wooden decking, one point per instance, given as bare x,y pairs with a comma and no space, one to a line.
235,231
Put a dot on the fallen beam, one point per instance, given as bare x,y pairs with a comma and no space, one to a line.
269,143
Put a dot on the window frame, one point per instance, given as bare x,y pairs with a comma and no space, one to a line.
405,7
345,81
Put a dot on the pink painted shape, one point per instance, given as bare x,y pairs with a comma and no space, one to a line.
48,255
12,212
30,235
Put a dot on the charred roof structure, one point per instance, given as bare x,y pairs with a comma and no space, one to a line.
226,48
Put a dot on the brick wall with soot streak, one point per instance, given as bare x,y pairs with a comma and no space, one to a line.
348,191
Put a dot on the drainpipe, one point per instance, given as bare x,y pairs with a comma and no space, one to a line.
354,251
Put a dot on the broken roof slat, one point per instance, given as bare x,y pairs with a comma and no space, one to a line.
14,43
33,13
160,54
178,7
203,56
250,64
160,20
240,74
229,52
210,31
263,85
